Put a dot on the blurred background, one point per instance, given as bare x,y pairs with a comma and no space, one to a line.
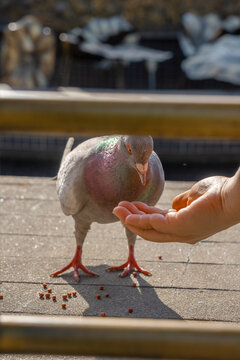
188,46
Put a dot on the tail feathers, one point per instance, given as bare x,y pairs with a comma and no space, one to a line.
67,150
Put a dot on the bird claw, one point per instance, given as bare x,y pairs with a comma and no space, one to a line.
127,270
117,268
75,271
132,267
76,275
76,263
129,265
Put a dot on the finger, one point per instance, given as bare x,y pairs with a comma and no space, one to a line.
148,209
160,223
180,201
154,210
141,206
131,207
140,221
165,223
155,236
121,213
197,191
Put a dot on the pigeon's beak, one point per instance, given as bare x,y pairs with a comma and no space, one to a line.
142,172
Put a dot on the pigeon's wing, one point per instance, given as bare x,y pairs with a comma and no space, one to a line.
69,184
71,187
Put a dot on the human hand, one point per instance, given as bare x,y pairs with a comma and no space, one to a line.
197,214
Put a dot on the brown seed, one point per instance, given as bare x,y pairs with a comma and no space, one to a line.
69,294
101,287
44,285
47,295
64,296
74,293
98,296
160,257
134,273
134,285
1,296
54,298
130,310
64,306
107,294
41,295
49,290
103,314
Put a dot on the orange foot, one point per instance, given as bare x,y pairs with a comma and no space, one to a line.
76,263
129,265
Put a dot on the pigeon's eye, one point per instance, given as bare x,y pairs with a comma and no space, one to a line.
129,149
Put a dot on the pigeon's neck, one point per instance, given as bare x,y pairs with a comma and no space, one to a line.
111,150
107,143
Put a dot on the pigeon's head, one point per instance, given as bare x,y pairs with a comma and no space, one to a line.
138,151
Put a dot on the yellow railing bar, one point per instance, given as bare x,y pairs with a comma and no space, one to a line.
89,336
85,112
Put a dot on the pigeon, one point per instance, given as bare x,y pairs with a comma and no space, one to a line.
99,173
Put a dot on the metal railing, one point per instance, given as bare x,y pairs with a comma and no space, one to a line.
168,339
88,112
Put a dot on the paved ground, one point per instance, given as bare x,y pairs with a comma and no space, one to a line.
199,282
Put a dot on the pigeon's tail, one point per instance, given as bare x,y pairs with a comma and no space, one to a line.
67,150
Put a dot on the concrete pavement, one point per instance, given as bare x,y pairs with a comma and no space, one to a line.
199,282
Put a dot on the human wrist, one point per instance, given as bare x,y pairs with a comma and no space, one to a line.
231,198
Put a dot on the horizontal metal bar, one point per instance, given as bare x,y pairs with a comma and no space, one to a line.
168,339
85,112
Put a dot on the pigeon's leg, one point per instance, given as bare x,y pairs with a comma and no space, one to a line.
76,263
131,262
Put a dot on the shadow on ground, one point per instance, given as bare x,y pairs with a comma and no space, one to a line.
143,299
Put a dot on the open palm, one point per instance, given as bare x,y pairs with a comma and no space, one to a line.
195,214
